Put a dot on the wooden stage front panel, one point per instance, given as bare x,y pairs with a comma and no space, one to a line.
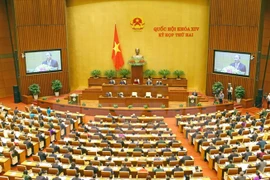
136,102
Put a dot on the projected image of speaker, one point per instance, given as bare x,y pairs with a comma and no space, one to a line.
16,94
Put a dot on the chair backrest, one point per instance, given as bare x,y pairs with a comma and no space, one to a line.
141,163
53,171
167,153
21,168
252,158
65,161
105,173
106,153
197,174
136,154
36,158
232,171
213,151
151,154
189,162
49,150
177,174
77,151
88,173
79,161
161,174
50,159
241,149
266,169
122,154
251,170
4,178
227,150
162,145
142,174
266,157
175,145
255,148
156,163
237,159
63,150
36,170
124,174
71,172
173,163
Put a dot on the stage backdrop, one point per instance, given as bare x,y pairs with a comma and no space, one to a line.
175,36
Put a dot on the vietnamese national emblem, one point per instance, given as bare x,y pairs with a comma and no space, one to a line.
137,23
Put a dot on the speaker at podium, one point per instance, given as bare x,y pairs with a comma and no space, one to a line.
192,101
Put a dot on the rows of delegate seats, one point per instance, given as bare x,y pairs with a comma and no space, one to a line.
89,141
234,145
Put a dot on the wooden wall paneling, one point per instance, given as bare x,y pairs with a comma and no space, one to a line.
234,26
265,42
46,30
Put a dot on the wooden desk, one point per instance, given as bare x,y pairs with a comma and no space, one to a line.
140,89
5,163
136,102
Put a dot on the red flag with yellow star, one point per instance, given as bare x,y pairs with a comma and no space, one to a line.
117,56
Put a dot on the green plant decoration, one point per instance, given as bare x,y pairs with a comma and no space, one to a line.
217,87
99,105
110,74
124,73
199,104
69,102
181,105
164,73
34,89
57,100
83,104
130,106
178,73
239,92
95,73
149,73
56,85
145,106
44,98
216,102
115,106
162,106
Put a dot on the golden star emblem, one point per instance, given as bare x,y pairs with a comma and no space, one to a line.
116,48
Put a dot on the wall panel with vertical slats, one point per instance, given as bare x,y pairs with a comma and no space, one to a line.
41,25
234,26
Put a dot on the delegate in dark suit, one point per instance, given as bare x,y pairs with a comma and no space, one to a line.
91,168
52,63
42,155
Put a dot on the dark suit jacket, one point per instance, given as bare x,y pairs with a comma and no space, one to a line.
54,63
76,178
69,156
125,169
218,157
177,169
241,67
56,178
42,156
231,156
41,178
246,155
108,169
184,158
94,169
53,155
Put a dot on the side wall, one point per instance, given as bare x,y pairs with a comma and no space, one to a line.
234,26
7,69
41,25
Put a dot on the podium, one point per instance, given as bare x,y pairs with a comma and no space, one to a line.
192,101
137,73
74,99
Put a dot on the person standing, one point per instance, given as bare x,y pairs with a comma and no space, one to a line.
268,101
221,97
230,91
